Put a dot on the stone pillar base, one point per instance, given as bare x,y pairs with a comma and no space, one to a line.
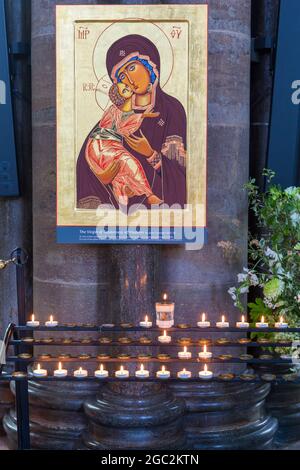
226,416
6,401
57,420
134,416
283,403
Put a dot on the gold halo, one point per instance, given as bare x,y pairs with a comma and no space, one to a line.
116,31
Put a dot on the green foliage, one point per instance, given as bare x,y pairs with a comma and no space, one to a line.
274,254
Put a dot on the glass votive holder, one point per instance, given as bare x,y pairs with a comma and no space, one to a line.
165,313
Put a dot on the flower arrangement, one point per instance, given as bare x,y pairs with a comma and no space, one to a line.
274,255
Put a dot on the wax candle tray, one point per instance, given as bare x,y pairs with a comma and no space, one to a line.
23,341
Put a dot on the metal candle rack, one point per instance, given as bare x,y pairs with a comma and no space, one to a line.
14,336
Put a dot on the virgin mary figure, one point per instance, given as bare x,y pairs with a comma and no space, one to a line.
160,143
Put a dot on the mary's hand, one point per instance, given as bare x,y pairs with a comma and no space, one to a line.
140,144
107,175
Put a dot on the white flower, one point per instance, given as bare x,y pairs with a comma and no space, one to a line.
244,290
271,254
242,277
254,279
232,292
291,190
297,298
295,218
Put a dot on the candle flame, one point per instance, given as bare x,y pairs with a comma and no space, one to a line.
59,366
165,333
165,296
33,317
184,370
205,367
51,318
163,369
243,318
142,367
39,367
146,318
121,368
80,369
223,318
203,317
185,349
101,367
281,320
262,319
204,348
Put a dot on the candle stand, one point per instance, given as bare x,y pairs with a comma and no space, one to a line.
22,340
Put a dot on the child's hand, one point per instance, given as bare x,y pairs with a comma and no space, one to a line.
150,115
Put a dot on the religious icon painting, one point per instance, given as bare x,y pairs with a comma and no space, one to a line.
131,123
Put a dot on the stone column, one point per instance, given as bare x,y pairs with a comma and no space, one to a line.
139,415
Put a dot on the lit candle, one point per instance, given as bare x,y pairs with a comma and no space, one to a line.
122,373
184,374
281,323
165,313
33,322
146,323
38,372
205,374
262,323
60,372
163,373
51,323
203,323
243,323
142,373
101,373
164,338
222,323
205,354
80,373
185,354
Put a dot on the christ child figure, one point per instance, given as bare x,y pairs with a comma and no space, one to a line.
105,145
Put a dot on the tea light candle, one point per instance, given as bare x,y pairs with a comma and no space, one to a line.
184,374
205,374
142,373
60,372
122,373
80,373
38,372
101,373
185,354
243,323
51,323
146,323
165,313
281,323
205,354
163,373
262,323
222,323
203,323
33,322
164,338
